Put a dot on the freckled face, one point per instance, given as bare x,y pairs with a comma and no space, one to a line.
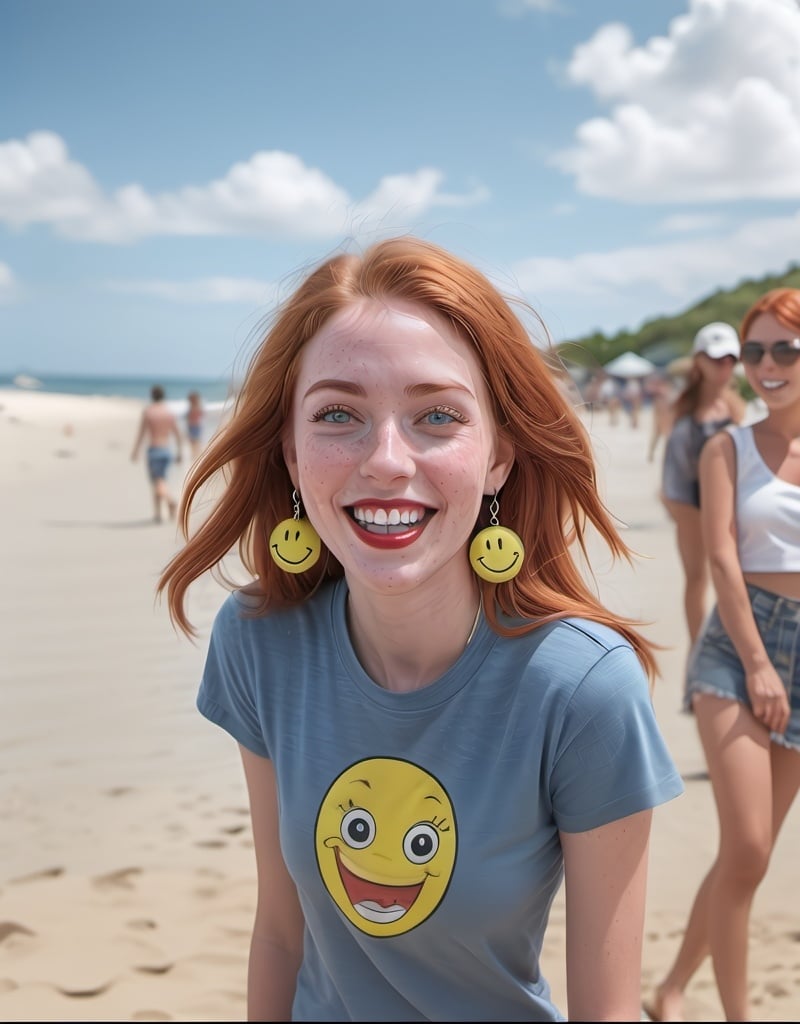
778,386
392,443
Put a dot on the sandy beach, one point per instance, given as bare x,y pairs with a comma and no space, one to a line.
127,880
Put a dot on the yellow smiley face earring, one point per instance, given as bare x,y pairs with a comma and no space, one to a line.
496,553
294,543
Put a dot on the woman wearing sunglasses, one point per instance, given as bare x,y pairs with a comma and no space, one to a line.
743,681
707,403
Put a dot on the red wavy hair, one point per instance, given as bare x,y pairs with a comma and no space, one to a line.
782,303
550,495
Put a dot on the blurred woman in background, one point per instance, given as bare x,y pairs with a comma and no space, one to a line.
707,403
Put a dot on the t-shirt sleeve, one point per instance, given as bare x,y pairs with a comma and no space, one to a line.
227,694
612,760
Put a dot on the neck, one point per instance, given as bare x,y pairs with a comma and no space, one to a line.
406,648
783,423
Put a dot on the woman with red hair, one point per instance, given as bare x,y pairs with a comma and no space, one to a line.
743,679
437,718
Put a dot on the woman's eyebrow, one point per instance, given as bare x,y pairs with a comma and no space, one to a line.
420,390
332,384
412,391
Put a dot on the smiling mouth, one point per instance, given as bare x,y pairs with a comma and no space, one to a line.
389,522
378,903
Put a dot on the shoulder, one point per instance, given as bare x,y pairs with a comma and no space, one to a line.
724,440
571,651
720,451
242,613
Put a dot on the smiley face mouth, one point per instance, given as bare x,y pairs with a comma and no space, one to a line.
289,561
375,902
510,565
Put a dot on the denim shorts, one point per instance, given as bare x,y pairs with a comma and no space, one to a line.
715,667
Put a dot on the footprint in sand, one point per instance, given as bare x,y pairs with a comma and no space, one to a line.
8,928
121,879
37,875
142,924
83,993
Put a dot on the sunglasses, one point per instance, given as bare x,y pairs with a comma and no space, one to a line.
783,353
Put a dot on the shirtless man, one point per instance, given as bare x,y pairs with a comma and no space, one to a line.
159,425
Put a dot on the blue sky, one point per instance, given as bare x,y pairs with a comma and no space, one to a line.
169,167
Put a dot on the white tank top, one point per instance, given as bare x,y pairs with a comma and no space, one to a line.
767,511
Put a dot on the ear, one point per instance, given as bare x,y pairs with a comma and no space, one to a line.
500,466
290,458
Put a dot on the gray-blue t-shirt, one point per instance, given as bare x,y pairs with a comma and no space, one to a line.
421,829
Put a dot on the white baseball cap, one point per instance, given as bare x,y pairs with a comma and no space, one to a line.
717,340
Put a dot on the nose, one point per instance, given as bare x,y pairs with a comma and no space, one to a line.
389,455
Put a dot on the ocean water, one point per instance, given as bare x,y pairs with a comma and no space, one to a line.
213,390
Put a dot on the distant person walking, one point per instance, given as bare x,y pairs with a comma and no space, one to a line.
706,403
608,398
743,681
631,397
195,421
158,427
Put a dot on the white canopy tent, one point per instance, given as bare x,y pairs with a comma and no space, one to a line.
630,364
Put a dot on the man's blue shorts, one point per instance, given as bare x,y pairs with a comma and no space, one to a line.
158,462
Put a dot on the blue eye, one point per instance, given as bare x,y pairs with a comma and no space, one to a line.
439,418
336,416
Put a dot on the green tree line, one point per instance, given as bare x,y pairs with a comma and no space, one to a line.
665,338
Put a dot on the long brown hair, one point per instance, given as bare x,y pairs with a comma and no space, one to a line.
550,495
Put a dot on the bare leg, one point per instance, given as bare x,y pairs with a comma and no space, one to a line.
667,1002
161,496
696,573
739,774
736,748
740,763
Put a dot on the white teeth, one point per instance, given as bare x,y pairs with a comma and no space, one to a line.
388,518
771,385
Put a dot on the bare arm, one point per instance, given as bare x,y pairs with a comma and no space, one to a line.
717,469
137,444
605,872
276,947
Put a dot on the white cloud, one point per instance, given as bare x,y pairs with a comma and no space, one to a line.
678,270
683,223
8,283
709,112
271,194
203,290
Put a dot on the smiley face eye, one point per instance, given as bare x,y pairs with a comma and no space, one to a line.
358,828
420,843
